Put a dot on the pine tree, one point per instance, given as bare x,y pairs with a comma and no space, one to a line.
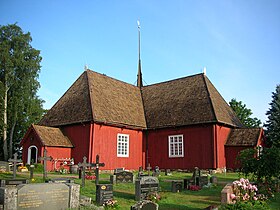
273,123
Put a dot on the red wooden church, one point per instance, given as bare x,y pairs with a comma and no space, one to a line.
178,124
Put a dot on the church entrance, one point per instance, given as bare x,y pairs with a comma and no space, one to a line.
32,155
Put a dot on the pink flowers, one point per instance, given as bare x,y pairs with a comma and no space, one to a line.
243,190
90,177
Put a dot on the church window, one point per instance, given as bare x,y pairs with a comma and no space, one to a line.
123,145
176,146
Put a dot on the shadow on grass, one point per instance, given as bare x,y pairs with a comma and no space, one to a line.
174,206
124,195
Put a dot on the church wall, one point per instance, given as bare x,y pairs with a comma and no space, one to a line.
198,148
105,145
59,154
222,133
31,140
79,135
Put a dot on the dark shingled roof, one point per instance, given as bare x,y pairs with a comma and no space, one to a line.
244,137
52,136
186,101
99,98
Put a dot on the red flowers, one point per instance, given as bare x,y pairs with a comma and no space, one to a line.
194,188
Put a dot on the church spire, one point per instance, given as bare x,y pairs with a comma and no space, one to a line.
139,75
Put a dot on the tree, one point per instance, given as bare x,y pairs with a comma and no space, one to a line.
244,114
19,72
273,123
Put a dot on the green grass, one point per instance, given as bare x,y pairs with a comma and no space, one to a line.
124,192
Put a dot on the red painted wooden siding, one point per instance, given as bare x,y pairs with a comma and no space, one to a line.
28,142
222,135
79,135
56,153
198,148
105,144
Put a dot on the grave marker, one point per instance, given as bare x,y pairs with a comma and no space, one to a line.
149,168
4,166
104,192
124,176
156,171
145,185
45,158
14,162
97,165
177,186
84,165
145,205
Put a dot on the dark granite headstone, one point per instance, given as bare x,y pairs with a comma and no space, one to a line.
145,205
104,192
14,182
124,176
145,185
4,167
177,186
43,196
156,171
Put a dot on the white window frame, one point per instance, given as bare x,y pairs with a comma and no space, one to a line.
122,145
175,142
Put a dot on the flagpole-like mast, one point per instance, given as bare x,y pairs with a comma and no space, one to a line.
139,76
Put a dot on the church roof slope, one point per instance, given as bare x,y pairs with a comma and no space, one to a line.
99,98
73,107
185,101
115,102
52,136
244,137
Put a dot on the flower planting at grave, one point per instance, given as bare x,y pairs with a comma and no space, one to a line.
90,176
194,188
22,169
245,196
153,196
111,204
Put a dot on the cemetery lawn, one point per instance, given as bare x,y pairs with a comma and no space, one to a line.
124,192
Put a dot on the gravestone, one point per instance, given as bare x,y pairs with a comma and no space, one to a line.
149,169
104,192
83,167
124,176
13,182
45,158
140,172
213,180
145,205
14,162
156,171
167,172
4,167
44,196
145,185
177,186
197,179
225,194
31,171
118,170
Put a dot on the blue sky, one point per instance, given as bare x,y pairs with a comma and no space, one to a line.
237,41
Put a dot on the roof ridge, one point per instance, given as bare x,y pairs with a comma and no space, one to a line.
89,92
104,75
209,97
181,78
